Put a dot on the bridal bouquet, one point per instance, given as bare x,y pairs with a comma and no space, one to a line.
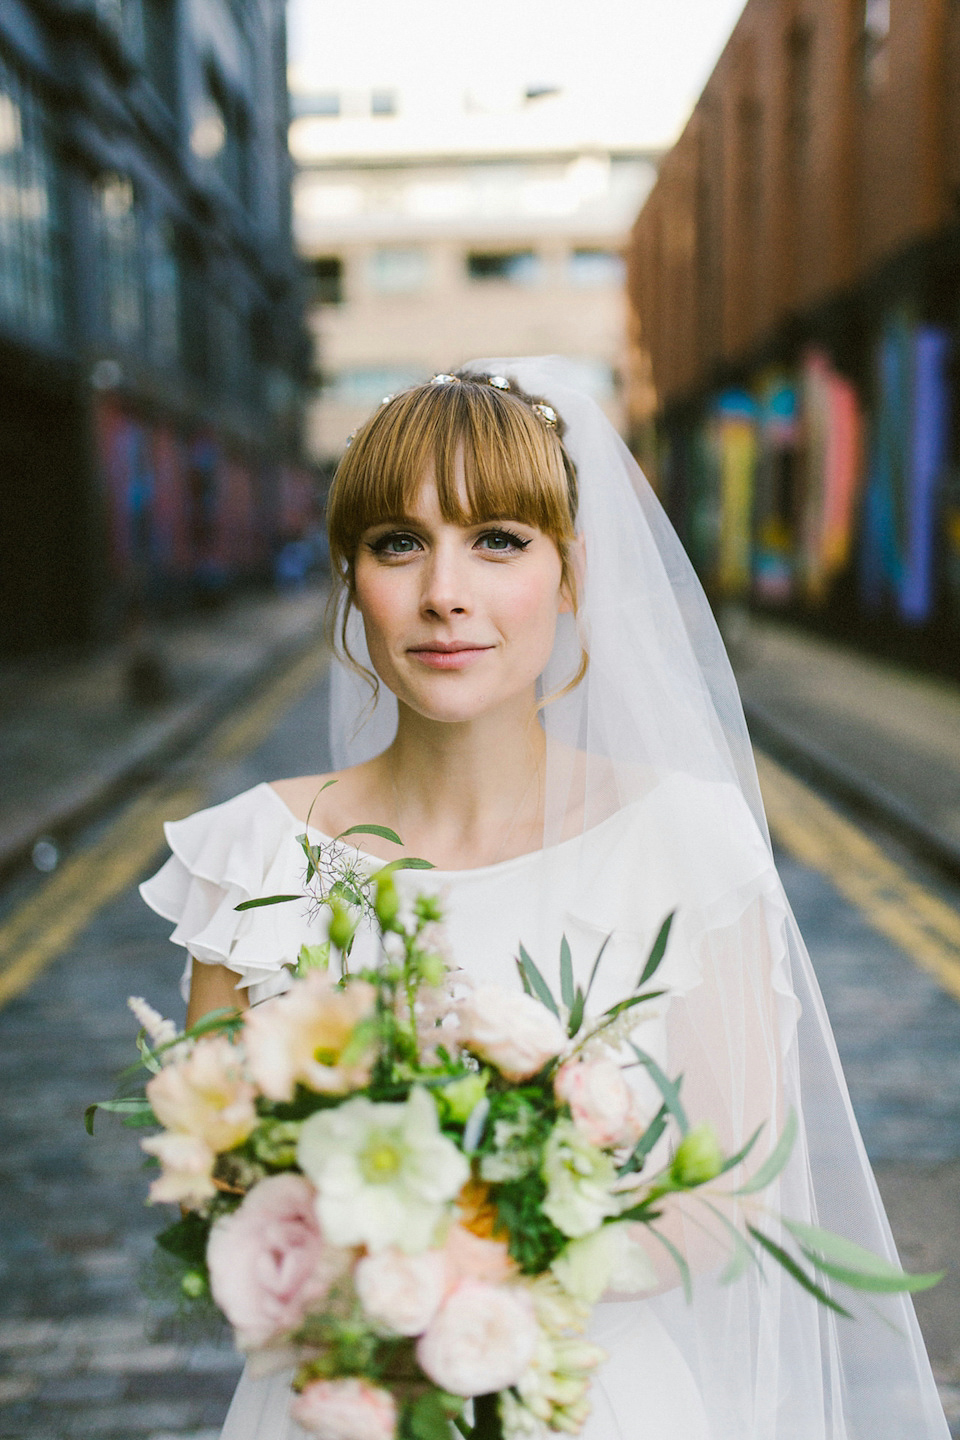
411,1192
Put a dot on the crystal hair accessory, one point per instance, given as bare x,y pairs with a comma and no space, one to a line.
445,380
499,382
547,413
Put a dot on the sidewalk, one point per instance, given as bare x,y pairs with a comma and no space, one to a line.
71,740
880,737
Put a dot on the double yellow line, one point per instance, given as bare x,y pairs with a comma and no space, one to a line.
44,925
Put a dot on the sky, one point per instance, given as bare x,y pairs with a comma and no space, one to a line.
639,64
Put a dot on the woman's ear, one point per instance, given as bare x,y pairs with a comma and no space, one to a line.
577,569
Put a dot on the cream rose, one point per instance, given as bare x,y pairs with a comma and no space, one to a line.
346,1410
186,1169
603,1106
482,1339
513,1031
269,1262
206,1095
301,1036
401,1293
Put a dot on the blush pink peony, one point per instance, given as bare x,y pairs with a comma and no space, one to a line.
482,1339
186,1169
301,1037
603,1106
513,1031
471,1257
401,1293
349,1409
268,1261
206,1095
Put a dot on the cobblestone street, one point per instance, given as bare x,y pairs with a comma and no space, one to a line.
85,1351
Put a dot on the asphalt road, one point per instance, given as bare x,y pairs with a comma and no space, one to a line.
84,1351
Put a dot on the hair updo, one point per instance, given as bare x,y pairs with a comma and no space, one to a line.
515,466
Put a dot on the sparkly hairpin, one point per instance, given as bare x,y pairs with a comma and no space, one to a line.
386,400
499,382
445,380
547,413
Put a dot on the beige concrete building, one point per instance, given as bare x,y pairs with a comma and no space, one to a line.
496,234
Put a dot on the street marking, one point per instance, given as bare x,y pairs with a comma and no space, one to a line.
925,927
44,925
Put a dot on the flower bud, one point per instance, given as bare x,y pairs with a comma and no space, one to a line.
432,968
342,925
461,1096
194,1284
387,902
698,1158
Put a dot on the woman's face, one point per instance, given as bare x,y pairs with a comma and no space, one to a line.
459,620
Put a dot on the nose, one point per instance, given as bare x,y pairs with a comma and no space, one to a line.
446,588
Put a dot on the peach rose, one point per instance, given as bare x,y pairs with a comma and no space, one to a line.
269,1262
186,1169
470,1257
301,1036
401,1292
482,1339
603,1106
206,1095
513,1031
346,1410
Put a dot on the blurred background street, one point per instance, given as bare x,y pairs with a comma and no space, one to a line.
227,229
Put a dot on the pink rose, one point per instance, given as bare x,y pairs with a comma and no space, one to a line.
301,1036
401,1292
206,1094
470,1257
346,1410
482,1339
187,1169
603,1106
513,1031
269,1262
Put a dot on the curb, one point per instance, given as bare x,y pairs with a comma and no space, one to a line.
156,745
812,762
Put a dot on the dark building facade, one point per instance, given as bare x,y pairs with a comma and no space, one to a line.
795,276
152,351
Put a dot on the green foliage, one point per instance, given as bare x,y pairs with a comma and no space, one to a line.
187,1239
136,1112
428,1416
527,1114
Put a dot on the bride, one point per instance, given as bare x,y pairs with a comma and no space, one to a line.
531,690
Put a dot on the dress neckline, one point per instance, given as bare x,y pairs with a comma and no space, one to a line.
498,866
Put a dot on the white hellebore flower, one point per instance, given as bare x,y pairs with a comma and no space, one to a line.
580,1180
384,1174
609,1259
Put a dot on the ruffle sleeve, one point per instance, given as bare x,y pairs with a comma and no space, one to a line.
240,850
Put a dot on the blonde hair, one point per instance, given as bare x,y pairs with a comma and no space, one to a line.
515,466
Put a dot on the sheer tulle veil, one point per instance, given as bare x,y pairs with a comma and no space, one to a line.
749,1033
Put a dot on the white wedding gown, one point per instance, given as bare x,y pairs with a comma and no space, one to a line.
623,876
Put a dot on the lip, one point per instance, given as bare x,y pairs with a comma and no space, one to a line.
453,655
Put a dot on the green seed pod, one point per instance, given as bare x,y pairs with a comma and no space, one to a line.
387,903
698,1158
342,925
194,1284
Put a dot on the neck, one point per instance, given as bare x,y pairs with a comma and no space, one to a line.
468,793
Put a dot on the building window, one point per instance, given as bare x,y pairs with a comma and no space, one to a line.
876,42
383,102
325,103
590,268
219,136
163,293
116,224
326,280
30,235
799,94
516,267
398,272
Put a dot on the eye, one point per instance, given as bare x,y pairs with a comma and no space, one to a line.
395,542
502,542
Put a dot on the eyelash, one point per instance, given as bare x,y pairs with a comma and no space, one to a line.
381,545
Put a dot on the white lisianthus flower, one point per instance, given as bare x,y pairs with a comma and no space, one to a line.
206,1094
385,1174
513,1032
609,1259
580,1179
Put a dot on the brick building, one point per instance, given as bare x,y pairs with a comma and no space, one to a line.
795,278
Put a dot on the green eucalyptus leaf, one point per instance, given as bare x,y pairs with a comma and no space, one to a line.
646,1142
795,1271
576,1013
596,963
384,832
540,987
657,953
412,862
669,1089
133,1108
775,1161
678,1260
566,973
266,900
733,1160
859,1268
